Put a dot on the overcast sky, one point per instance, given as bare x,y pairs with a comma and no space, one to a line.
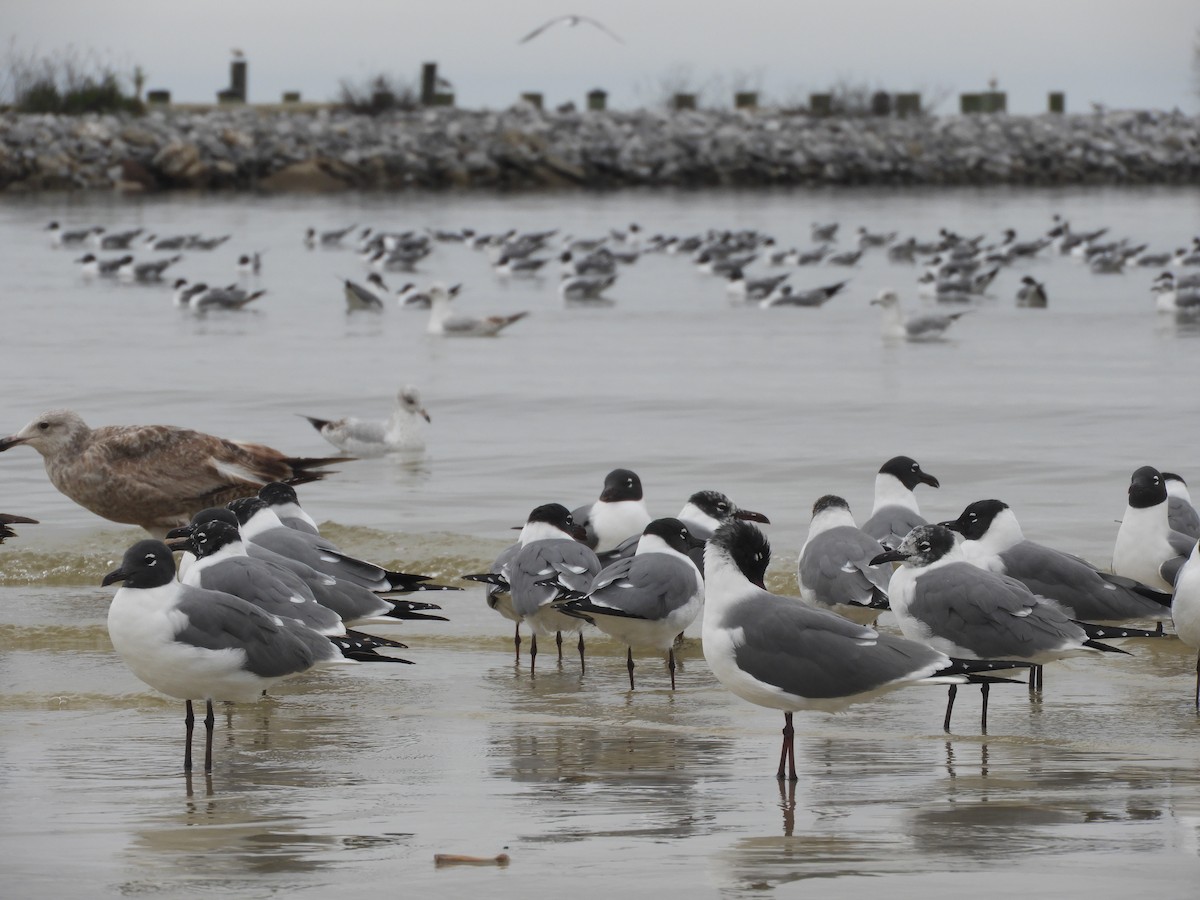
1116,52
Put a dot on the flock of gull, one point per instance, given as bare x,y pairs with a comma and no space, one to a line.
260,595
953,269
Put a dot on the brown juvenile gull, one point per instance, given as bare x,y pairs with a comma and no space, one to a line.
155,476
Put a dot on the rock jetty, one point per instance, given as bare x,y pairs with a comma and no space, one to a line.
264,149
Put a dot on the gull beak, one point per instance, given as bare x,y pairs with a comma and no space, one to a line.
114,575
176,546
930,480
424,414
182,531
888,556
11,441
748,515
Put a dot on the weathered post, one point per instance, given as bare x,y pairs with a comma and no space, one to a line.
429,84
908,105
237,78
597,100
745,100
820,104
533,98
291,96
881,103
969,104
994,102
684,101
158,97
1057,102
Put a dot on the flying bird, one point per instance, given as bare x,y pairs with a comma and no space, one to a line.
571,20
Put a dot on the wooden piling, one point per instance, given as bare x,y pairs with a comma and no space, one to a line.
291,96
533,98
158,98
429,89
684,101
881,103
1057,102
820,104
745,100
597,100
908,105
237,79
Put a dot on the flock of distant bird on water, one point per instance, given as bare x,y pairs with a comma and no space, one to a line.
955,269
260,595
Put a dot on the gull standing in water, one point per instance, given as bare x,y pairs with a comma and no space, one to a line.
780,653
1147,548
645,600
155,476
196,644
942,600
835,571
401,432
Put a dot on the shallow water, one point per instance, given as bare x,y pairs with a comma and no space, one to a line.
361,776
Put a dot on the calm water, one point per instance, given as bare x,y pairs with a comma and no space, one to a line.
364,776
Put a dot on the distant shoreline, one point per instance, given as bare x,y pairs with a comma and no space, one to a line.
317,149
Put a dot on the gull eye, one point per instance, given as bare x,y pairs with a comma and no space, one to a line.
722,507
151,559
916,467
43,426
924,545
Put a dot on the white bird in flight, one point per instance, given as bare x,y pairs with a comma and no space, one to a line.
571,20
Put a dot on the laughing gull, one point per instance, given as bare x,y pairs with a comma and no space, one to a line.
90,266
645,600
619,513
780,653
498,592
359,298
409,296
146,271
752,288
993,541
326,238
7,519
1031,294
1181,514
895,512
355,604
399,433
924,327
61,238
1172,296
942,600
703,513
222,564
199,242
117,240
824,231
1147,548
282,499
193,644
155,476
835,571
444,321
1185,608
552,560
230,297
570,21
786,296
585,287
260,525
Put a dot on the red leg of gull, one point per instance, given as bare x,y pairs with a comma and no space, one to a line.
788,753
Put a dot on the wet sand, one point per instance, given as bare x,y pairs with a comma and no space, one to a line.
360,776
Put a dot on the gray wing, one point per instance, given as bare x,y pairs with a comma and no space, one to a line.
927,325
1075,584
650,586
817,654
350,601
835,566
279,593
1181,543
1183,517
460,324
990,616
317,552
892,524
366,430
217,621
567,562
